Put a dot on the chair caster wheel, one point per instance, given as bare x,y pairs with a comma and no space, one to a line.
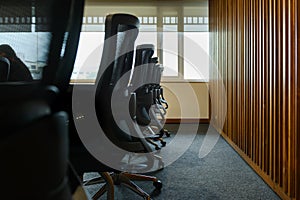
147,198
167,134
157,184
161,165
163,143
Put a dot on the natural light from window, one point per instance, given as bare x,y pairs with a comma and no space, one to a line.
167,28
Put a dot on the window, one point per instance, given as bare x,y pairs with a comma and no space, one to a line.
26,30
196,44
193,69
175,31
88,56
170,47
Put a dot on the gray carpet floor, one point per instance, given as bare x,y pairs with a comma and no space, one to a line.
222,174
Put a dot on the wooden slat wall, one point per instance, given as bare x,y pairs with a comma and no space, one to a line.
254,47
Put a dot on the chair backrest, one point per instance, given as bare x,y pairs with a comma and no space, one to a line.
144,53
121,31
143,56
4,69
158,68
66,28
161,69
142,79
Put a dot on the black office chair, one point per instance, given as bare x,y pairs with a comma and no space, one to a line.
148,94
33,146
144,95
158,100
34,135
4,69
142,78
121,31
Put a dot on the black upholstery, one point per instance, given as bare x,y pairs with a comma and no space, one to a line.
143,57
112,69
149,93
34,130
117,59
117,56
121,31
82,160
4,69
33,148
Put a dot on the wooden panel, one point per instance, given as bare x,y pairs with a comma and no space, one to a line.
295,9
254,48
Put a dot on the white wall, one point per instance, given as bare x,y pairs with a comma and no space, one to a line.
187,100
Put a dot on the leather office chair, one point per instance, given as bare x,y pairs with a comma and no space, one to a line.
34,133
33,145
158,98
143,78
144,95
148,94
121,31
4,69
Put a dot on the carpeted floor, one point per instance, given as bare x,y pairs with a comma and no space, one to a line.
222,174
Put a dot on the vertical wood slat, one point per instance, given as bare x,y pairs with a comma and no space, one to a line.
291,87
254,44
270,100
296,6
